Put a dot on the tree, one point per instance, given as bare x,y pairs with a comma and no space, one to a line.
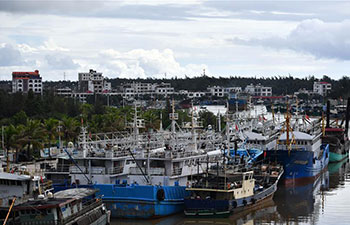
70,128
32,137
51,129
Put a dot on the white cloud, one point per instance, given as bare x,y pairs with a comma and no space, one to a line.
147,63
315,37
50,45
11,56
61,62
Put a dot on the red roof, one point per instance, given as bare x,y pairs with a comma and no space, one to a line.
36,72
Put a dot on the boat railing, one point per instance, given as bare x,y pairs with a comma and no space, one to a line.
177,171
87,206
58,169
152,171
116,170
219,185
76,170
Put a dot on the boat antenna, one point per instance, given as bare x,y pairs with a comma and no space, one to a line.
273,113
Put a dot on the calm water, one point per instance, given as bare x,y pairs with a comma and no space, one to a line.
325,201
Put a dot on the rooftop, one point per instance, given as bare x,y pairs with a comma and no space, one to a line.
11,176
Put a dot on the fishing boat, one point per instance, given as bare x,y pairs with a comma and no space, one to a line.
302,154
338,144
142,201
221,193
141,175
69,207
337,137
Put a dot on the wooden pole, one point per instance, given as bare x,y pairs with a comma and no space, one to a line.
8,213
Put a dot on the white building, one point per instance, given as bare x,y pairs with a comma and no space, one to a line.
93,82
139,88
26,81
222,91
258,90
196,94
322,88
164,89
216,91
65,92
229,90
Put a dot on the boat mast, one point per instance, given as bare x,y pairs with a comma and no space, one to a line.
228,124
194,138
219,122
173,117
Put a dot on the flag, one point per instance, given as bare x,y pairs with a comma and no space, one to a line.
236,127
264,118
307,118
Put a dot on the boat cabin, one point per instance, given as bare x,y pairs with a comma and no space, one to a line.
236,186
72,206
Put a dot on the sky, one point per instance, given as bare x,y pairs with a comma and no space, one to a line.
163,39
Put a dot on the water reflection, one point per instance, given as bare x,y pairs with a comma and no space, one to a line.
324,201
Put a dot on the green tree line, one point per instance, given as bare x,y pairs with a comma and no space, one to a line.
32,122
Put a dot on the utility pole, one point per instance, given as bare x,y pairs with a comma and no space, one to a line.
3,148
59,127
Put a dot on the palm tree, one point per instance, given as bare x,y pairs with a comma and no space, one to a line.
10,139
70,128
32,136
152,119
51,128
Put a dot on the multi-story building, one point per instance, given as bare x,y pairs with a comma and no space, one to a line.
65,92
93,82
223,91
229,90
258,90
164,89
216,91
138,89
26,81
322,88
196,94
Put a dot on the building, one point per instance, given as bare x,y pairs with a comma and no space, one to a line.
65,92
196,94
258,90
229,90
216,91
27,81
93,82
322,88
164,89
223,91
138,89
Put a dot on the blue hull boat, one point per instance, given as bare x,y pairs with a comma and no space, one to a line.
300,166
142,201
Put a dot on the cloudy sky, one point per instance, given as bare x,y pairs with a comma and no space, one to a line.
155,38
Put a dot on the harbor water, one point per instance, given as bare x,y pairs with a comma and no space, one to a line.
324,201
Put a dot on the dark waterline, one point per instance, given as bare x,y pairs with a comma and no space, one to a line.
324,201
